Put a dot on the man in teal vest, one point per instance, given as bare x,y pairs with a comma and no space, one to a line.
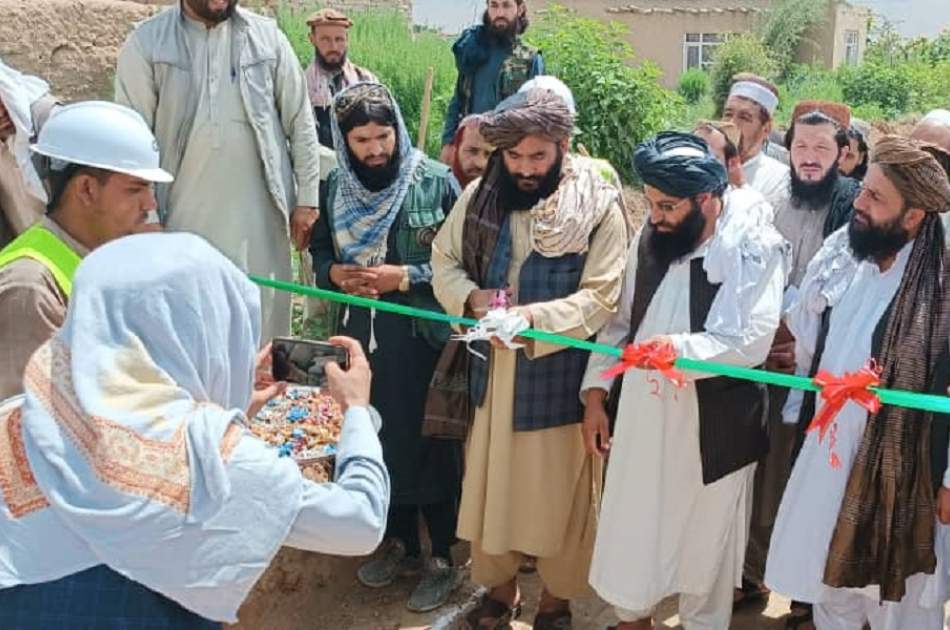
382,207
100,160
493,62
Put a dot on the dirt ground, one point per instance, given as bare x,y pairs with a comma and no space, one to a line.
304,591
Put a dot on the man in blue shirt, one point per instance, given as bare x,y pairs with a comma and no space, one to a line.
493,62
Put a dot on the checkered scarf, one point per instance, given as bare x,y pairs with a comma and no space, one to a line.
362,218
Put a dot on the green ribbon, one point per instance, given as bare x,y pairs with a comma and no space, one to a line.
900,398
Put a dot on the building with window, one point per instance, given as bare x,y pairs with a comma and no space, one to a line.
682,34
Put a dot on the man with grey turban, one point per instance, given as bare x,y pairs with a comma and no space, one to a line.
857,532
546,227
934,128
704,281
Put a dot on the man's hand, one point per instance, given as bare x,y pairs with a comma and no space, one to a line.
265,387
350,388
525,312
943,505
782,354
354,280
447,154
388,278
479,301
301,224
663,340
596,427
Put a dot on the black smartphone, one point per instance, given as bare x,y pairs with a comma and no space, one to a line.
303,361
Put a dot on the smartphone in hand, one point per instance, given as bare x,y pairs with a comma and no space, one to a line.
303,361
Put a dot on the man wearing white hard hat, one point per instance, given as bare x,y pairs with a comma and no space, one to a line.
99,161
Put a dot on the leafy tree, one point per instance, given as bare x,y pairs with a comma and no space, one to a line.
740,53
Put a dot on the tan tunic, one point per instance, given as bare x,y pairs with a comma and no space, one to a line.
534,492
18,208
804,229
220,191
32,308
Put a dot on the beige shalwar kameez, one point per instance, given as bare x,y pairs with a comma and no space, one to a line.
531,492
220,191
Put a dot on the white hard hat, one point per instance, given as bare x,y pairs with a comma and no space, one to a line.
552,84
102,135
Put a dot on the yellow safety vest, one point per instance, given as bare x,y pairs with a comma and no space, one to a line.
48,249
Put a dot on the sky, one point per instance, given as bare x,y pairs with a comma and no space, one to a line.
913,17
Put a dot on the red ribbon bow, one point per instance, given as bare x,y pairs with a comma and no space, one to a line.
653,355
837,390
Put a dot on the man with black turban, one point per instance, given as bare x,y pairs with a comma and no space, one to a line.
857,532
548,227
704,280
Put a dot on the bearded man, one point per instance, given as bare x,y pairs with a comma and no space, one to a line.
856,532
471,151
331,69
750,106
226,98
704,279
817,203
493,63
382,207
548,227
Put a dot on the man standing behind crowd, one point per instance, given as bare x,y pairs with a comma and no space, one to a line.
529,487
818,203
493,63
750,106
101,162
227,99
470,151
331,70
25,104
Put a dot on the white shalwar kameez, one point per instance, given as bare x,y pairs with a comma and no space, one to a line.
661,530
859,294
770,177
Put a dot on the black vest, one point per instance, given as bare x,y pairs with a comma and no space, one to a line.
732,412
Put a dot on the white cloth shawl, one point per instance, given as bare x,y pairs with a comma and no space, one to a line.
18,92
133,425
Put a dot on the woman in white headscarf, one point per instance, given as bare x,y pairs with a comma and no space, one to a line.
130,489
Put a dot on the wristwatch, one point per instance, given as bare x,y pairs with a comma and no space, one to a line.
404,283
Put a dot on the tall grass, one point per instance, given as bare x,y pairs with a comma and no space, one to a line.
384,43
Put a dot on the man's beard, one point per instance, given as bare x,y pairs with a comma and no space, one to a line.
328,65
200,7
876,242
814,195
375,178
514,198
666,247
503,36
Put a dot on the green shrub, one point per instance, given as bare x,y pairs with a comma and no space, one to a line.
383,42
875,83
694,85
618,104
785,26
740,53
804,83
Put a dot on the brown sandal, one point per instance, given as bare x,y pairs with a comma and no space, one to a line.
494,611
557,620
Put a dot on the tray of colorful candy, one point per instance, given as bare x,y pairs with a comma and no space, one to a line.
304,423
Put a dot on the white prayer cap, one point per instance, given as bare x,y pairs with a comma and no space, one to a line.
552,84
755,92
939,116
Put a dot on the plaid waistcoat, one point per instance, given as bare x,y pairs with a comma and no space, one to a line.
546,389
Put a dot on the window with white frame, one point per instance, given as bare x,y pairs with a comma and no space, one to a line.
699,49
851,50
